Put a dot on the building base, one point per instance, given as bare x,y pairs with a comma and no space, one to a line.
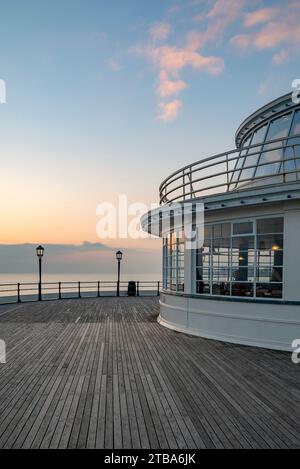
259,323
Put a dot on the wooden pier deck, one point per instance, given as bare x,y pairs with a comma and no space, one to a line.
101,373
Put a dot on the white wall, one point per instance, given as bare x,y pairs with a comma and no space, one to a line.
267,325
260,323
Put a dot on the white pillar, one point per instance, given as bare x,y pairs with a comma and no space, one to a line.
291,260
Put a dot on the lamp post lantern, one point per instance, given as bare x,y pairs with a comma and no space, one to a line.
40,252
119,256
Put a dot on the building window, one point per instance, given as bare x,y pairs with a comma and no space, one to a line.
241,258
269,162
173,262
292,152
252,157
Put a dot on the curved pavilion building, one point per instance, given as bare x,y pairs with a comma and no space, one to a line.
241,283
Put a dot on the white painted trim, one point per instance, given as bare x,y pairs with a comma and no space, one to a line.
274,345
231,316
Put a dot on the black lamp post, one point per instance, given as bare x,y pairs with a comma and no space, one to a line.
119,256
40,253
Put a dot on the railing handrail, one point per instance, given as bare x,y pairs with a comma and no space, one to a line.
225,158
19,290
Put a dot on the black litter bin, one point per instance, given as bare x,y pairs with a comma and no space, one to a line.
131,291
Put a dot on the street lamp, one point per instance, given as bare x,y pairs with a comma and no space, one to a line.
40,253
119,256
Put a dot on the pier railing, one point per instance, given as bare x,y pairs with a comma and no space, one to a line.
22,292
270,162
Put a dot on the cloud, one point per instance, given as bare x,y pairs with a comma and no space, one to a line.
260,16
275,28
169,111
169,87
241,41
280,28
172,58
159,31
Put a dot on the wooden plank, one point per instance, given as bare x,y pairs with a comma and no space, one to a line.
102,373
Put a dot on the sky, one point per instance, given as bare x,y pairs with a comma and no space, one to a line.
109,97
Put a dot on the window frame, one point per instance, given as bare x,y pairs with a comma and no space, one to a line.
256,268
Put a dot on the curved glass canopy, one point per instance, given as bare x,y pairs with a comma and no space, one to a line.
269,158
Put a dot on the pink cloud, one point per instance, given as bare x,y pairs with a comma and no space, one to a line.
169,111
241,41
279,28
169,87
277,33
260,16
160,31
172,58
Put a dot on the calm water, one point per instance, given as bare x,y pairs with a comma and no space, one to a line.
27,278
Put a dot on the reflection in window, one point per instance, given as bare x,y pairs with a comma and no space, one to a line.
251,160
292,153
173,262
239,163
271,154
242,259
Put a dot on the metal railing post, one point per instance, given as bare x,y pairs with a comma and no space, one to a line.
79,291
19,296
295,162
227,173
137,288
158,285
59,290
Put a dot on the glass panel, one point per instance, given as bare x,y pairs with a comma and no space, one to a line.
222,230
221,273
295,130
239,162
242,289
269,290
252,158
202,274
293,153
273,242
243,274
222,288
219,243
243,228
202,288
243,242
202,257
278,128
242,257
173,263
233,264
270,225
269,274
